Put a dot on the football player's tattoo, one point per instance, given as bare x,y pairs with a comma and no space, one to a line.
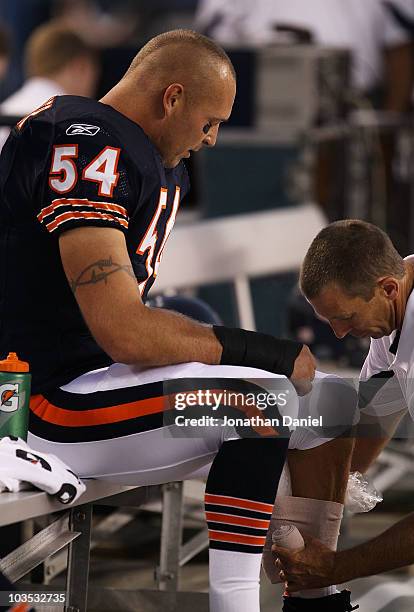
99,272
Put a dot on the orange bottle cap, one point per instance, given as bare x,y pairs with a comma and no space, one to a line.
13,364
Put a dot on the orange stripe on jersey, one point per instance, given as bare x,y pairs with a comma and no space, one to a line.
37,111
46,411
216,517
81,202
223,500
76,214
237,538
48,210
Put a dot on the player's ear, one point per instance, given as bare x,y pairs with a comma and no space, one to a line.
172,98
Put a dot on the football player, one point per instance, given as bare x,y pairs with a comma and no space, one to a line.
89,194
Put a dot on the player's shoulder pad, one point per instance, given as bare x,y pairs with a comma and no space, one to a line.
92,124
83,122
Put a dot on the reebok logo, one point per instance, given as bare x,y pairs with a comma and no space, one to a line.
82,129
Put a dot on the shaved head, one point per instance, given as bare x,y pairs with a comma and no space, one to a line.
179,88
181,56
188,44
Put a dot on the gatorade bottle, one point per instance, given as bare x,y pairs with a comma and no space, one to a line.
14,397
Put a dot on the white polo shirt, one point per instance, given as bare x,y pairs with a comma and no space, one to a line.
31,95
397,369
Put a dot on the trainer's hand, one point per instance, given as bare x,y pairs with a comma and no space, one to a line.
303,371
310,568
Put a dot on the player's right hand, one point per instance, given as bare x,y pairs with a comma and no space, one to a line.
303,371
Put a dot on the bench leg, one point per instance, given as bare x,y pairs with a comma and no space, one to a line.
78,559
171,536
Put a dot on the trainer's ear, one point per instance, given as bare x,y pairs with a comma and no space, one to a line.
172,98
389,287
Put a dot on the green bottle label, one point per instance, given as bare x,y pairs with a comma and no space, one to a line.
14,404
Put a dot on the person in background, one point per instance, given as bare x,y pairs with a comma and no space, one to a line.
380,46
57,62
21,18
379,38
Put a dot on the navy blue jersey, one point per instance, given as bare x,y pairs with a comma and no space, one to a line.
74,162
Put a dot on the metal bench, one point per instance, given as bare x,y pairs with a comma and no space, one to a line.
71,527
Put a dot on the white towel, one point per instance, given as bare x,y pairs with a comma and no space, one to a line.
21,467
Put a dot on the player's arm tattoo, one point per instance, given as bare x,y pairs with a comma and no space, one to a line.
98,272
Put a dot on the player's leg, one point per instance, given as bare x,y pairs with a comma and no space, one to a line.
313,497
239,505
106,425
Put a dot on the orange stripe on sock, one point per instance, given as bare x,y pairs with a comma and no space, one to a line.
101,416
236,538
237,520
223,500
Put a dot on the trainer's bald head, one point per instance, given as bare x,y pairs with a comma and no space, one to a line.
181,56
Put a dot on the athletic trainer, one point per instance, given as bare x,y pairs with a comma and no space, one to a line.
358,283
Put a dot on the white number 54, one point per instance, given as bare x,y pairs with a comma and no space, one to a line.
102,169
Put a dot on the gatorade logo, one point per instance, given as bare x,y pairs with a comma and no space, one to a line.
9,397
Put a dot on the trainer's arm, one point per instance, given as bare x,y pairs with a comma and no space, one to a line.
317,566
390,550
99,271
368,446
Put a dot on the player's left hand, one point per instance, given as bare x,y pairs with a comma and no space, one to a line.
309,568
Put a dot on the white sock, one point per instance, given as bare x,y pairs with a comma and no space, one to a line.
234,581
321,519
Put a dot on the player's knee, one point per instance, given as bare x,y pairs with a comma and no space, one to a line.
330,411
334,406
